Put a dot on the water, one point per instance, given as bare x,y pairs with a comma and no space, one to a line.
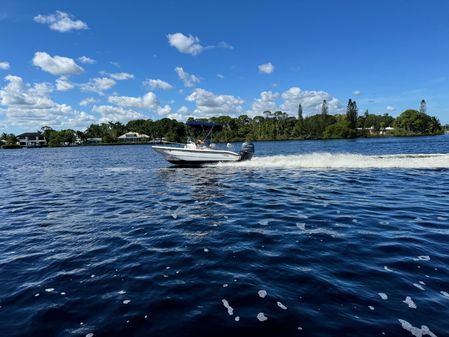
319,238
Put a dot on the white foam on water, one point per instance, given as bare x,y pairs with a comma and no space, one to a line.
121,292
387,269
325,160
280,305
90,334
206,250
261,317
417,332
301,216
237,318
301,225
126,301
408,300
422,282
371,307
63,293
49,290
120,169
262,293
225,285
418,286
383,296
228,307
422,258
36,295
444,293
264,222
441,218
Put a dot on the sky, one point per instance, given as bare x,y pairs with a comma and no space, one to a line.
71,63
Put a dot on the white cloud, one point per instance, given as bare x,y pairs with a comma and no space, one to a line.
86,60
223,45
220,76
98,85
121,76
4,65
148,101
267,101
191,44
62,84
61,22
356,92
157,84
390,108
56,65
29,106
111,113
185,44
87,101
189,80
126,101
183,110
266,68
164,110
177,117
310,100
209,104
40,89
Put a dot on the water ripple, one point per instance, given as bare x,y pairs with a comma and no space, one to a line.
111,241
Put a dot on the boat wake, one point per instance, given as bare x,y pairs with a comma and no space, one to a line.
345,161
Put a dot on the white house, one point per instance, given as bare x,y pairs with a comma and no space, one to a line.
133,137
32,139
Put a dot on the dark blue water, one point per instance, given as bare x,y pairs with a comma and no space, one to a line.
346,238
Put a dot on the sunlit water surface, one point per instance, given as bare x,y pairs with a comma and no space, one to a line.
312,238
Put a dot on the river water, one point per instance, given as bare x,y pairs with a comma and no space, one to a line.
310,238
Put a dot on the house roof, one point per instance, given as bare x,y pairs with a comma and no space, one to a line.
133,135
32,135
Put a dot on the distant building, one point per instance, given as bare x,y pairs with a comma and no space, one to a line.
133,137
162,140
93,140
32,139
387,131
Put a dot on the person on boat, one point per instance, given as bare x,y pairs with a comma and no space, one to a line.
205,142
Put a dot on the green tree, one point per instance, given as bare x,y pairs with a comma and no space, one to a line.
423,106
324,108
351,117
300,116
412,122
340,129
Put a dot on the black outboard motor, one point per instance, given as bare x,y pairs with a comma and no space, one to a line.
247,151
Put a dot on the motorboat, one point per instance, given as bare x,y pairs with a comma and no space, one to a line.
197,153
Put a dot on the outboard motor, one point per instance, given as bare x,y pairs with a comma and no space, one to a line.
247,151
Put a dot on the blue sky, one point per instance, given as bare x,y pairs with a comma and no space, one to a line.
69,63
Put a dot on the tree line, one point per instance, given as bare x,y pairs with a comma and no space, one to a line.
276,125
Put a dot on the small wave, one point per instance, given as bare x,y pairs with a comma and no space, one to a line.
120,169
320,160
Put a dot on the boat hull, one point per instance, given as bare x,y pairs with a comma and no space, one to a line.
195,157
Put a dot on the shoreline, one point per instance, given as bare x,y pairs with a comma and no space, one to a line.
15,147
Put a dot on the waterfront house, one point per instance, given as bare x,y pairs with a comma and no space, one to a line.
133,137
162,140
387,131
31,139
93,140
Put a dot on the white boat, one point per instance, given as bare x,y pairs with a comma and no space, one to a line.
200,152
